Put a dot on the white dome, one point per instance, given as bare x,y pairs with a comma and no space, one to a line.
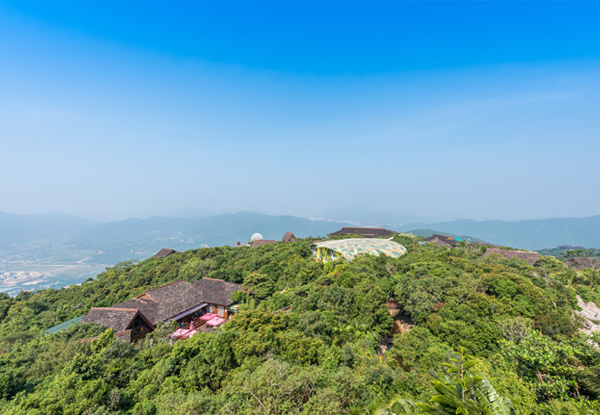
256,237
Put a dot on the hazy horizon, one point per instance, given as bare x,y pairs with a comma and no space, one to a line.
111,110
341,217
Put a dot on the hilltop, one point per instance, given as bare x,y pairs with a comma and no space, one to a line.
358,336
67,250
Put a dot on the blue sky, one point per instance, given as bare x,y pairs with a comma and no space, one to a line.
483,110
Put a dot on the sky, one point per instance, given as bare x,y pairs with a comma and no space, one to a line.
441,110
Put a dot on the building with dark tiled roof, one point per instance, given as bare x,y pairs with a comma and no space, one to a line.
442,240
530,257
126,322
180,300
163,253
581,263
289,237
257,240
217,292
364,232
261,242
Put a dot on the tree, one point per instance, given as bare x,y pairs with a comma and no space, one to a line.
461,390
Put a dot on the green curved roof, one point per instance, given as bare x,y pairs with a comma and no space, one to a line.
63,326
350,248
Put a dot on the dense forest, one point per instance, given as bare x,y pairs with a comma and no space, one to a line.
436,331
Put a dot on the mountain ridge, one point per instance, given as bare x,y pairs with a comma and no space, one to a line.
527,234
228,228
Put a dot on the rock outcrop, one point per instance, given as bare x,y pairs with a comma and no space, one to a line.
591,313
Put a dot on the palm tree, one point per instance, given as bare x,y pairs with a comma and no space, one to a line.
459,390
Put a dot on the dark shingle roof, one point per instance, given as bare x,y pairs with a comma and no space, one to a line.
530,257
164,302
442,240
366,232
163,253
217,291
124,335
261,242
581,263
117,319
289,237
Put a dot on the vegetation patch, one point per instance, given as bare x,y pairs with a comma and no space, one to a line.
486,336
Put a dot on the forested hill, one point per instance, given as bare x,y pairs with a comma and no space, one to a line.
60,238
505,329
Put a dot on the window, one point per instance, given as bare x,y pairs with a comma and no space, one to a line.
221,312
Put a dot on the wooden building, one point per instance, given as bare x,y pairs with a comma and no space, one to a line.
163,253
181,301
289,237
530,257
442,240
261,242
128,323
580,263
257,240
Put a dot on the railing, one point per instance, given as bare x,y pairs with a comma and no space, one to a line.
197,323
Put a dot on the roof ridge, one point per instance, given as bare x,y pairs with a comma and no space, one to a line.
161,286
145,295
115,309
362,227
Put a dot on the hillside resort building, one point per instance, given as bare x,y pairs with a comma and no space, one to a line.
182,301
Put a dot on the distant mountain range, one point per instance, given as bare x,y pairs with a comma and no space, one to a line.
370,218
142,237
67,249
527,234
53,251
17,229
108,243
138,238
